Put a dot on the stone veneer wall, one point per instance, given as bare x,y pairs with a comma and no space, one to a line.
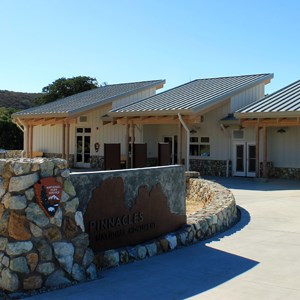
36,251
210,167
218,214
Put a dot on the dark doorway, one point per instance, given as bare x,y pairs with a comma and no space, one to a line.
164,154
112,156
139,155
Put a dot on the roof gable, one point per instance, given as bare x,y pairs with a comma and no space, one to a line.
194,96
286,101
88,100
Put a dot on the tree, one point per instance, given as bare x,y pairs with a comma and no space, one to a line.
64,87
11,137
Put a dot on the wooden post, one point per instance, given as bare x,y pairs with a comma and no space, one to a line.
68,144
63,140
127,144
265,156
257,151
27,140
132,142
179,146
31,141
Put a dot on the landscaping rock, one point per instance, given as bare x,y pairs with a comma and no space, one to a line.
21,183
9,281
78,273
32,283
57,219
111,258
18,248
91,272
36,231
79,220
14,202
29,194
57,279
17,227
52,234
142,252
64,254
19,265
71,206
152,249
47,167
46,268
45,250
69,188
3,243
88,257
35,214
32,260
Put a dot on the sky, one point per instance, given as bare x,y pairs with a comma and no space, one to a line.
119,41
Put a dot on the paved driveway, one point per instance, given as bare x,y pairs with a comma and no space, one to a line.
259,258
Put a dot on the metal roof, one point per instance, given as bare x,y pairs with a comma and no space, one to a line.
87,100
193,96
285,102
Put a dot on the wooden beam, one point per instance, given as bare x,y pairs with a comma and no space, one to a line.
282,122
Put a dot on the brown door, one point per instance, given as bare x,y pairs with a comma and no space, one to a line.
164,154
112,156
139,155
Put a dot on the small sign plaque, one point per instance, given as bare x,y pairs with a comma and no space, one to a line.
48,194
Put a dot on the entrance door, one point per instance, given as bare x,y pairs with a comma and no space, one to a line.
244,159
83,147
172,140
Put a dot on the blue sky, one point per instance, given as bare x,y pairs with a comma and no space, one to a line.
123,41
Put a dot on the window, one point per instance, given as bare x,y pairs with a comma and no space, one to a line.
199,147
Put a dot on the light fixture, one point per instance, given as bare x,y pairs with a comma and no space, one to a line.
281,130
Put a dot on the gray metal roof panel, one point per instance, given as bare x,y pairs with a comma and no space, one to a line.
286,100
194,95
88,99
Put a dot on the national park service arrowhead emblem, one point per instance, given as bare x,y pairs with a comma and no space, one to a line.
48,194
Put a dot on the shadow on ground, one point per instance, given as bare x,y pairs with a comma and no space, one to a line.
179,274
254,184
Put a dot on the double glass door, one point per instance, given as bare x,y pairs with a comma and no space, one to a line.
244,159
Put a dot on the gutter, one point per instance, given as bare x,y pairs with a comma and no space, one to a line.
187,142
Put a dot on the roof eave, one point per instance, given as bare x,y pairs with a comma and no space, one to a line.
270,115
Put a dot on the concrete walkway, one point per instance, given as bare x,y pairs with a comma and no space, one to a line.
259,258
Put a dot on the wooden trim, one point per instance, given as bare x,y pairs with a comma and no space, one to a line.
276,122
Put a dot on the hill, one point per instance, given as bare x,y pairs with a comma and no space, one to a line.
17,100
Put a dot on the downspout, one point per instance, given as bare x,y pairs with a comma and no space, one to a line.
187,142
229,148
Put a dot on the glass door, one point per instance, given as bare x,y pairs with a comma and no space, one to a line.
239,157
244,159
83,147
251,160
